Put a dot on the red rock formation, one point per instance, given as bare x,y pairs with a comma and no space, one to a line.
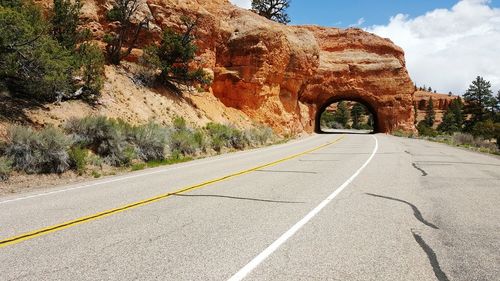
283,75
441,103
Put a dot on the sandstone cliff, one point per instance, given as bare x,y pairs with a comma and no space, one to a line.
441,103
281,75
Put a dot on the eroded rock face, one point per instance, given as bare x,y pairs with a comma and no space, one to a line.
284,75
440,102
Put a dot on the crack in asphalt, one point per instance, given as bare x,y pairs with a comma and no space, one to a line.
239,198
416,211
431,255
424,173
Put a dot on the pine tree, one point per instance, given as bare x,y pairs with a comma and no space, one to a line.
430,114
357,112
342,114
479,100
174,57
415,113
65,21
456,108
272,9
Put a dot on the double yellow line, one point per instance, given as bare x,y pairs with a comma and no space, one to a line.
50,229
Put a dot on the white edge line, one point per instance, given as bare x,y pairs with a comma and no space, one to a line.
247,269
164,170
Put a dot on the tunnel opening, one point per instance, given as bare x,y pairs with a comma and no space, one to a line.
346,115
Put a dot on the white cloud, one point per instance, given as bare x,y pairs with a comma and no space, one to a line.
447,49
358,23
247,4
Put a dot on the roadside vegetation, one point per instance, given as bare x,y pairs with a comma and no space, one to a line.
472,121
90,144
49,57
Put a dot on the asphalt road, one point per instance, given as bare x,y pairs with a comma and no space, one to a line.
327,207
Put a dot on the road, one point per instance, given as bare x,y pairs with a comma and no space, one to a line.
326,207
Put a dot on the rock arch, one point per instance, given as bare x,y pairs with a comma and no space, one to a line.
282,75
346,97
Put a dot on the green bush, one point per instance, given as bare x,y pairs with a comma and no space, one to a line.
425,130
486,129
226,136
149,141
259,136
106,137
38,152
79,159
184,141
5,168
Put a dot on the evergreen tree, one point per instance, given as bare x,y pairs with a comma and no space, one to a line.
174,57
342,114
32,63
448,123
65,21
456,108
479,101
453,118
430,114
125,35
272,9
357,112
415,113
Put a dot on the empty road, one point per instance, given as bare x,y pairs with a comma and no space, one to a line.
326,207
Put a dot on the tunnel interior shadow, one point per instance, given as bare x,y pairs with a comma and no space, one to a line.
347,98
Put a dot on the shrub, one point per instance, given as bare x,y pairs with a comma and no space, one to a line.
463,138
5,168
38,152
486,129
149,141
90,62
226,136
78,158
259,136
425,130
183,141
106,137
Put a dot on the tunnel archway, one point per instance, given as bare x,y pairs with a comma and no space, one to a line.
336,99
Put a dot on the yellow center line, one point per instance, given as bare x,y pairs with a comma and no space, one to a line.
50,229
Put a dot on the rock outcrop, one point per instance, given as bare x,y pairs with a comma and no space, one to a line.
440,102
282,75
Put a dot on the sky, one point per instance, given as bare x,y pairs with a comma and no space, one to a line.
447,42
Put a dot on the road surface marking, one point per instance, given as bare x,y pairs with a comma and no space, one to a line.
30,235
164,170
247,269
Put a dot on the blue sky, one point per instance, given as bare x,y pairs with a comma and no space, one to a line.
343,13
447,43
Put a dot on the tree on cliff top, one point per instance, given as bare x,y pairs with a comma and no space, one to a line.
175,58
272,9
